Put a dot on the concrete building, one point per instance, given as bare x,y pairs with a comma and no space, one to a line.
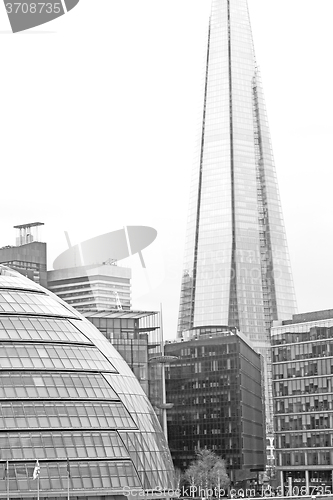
93,288
28,256
302,356
215,387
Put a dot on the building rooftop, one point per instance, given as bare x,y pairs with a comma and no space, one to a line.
119,314
204,333
309,316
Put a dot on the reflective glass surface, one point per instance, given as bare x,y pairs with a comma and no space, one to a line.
302,365
52,357
17,301
66,393
89,476
16,328
56,414
149,465
215,386
236,266
45,385
62,445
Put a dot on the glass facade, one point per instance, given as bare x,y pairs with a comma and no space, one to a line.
236,266
136,336
215,386
302,357
69,400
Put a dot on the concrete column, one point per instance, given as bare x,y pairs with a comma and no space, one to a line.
290,486
307,480
281,483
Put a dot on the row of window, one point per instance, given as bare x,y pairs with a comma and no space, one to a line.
315,476
303,369
56,330
8,281
53,357
303,422
308,350
83,475
295,458
68,414
304,440
35,303
54,385
207,366
304,404
62,445
303,386
302,333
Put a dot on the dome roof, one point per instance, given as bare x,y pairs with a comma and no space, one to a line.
70,401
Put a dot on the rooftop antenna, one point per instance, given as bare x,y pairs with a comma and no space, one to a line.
27,233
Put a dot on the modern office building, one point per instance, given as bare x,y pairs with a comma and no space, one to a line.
136,336
28,256
69,400
302,355
236,265
92,288
215,388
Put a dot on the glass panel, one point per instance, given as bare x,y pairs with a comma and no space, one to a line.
18,328
61,356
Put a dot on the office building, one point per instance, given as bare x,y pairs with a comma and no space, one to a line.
136,336
68,399
302,356
92,288
28,257
215,388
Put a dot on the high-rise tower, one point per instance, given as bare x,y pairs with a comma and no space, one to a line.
236,266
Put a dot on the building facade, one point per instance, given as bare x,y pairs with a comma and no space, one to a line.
135,335
302,356
215,386
28,257
68,399
236,265
92,288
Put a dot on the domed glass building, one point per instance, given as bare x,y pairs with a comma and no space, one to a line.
69,400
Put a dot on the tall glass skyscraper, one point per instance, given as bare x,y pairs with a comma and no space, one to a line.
236,266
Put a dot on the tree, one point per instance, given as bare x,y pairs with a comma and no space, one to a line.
206,473
179,479
220,478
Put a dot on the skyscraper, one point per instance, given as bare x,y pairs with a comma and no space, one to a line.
236,266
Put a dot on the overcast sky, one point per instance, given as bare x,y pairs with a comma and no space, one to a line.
99,113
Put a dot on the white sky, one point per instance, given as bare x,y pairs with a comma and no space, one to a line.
99,113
